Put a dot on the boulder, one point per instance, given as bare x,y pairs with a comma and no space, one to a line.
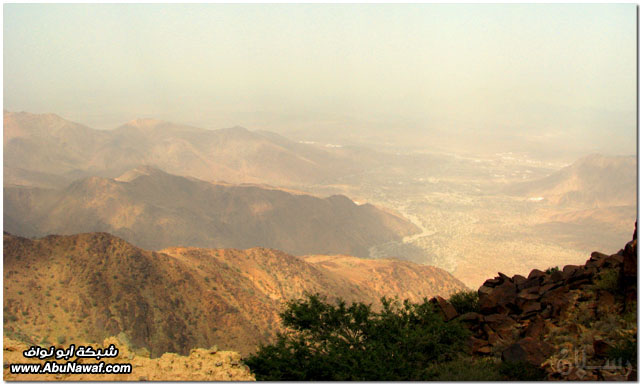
499,321
536,328
546,312
556,300
525,297
491,283
501,299
533,289
596,261
471,317
536,273
569,270
519,280
547,287
530,308
601,348
580,274
578,284
479,346
504,277
515,353
494,338
535,280
629,273
508,334
484,291
448,311
557,277
528,295
527,350
614,261
630,263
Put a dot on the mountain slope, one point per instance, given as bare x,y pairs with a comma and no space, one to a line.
380,275
587,204
591,182
94,285
39,148
153,209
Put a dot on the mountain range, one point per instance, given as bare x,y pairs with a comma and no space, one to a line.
154,210
48,151
90,286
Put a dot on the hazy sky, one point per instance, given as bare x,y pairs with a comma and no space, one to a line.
536,71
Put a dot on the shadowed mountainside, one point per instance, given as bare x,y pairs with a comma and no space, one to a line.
153,209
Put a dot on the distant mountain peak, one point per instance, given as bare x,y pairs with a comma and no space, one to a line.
143,170
144,122
236,131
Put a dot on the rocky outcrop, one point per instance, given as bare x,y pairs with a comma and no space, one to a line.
537,319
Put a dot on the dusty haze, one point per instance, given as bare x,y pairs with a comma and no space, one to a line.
549,80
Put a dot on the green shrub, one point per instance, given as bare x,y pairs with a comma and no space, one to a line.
465,301
625,352
465,369
522,371
550,270
608,280
62,339
630,314
352,342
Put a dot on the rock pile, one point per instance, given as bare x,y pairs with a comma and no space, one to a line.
516,315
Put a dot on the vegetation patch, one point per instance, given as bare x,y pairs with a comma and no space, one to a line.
404,341
465,301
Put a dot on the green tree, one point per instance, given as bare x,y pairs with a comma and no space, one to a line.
465,301
352,342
